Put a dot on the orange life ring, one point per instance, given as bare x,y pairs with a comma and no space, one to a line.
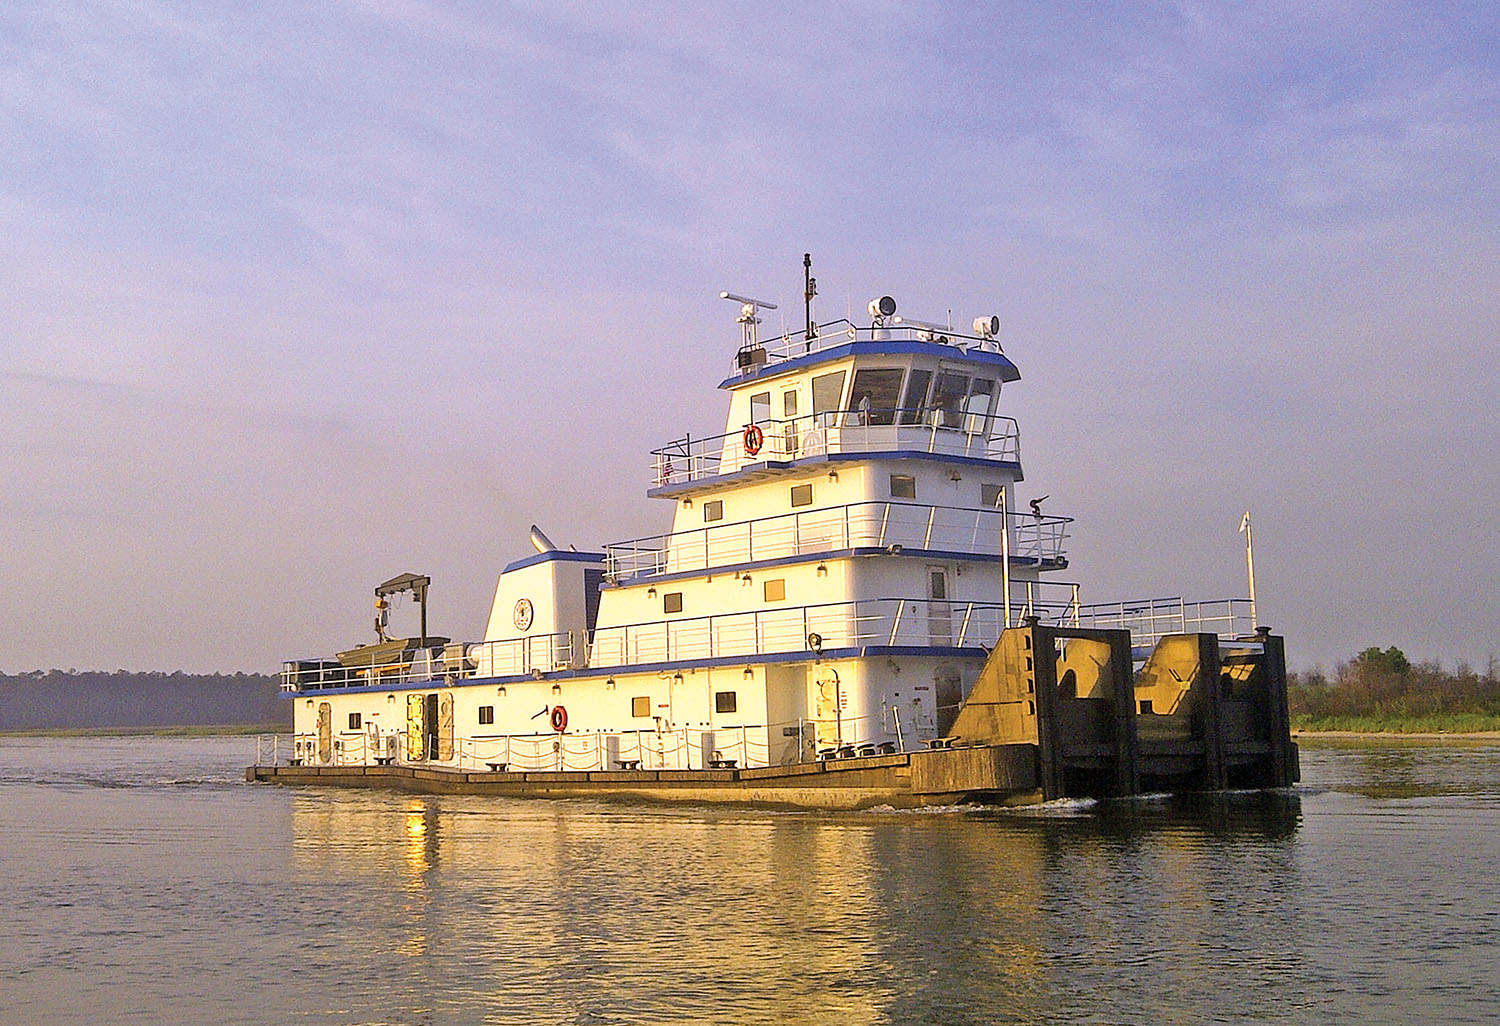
754,439
559,718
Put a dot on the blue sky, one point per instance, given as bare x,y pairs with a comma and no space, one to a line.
297,298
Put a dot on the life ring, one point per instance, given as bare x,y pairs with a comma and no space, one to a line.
754,439
559,718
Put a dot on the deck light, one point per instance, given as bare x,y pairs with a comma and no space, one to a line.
822,569
749,673
651,592
500,691
557,689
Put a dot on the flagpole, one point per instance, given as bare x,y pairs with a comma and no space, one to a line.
1250,566
1005,551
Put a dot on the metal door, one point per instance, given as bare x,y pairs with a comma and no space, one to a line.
445,726
939,612
415,723
325,731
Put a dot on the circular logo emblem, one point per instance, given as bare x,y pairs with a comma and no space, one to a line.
523,614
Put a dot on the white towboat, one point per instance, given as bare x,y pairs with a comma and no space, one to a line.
842,558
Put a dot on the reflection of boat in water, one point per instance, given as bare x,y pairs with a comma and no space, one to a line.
847,611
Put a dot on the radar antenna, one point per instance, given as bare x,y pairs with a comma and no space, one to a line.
749,340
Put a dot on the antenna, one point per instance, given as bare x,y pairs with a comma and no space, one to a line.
747,319
809,289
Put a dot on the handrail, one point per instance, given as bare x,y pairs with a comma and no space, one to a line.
884,429
844,331
874,523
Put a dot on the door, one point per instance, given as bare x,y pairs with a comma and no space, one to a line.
430,726
325,731
939,611
415,731
827,702
445,726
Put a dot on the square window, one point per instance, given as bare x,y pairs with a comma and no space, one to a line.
713,511
671,602
802,495
903,486
640,706
724,701
989,496
486,714
354,721
775,590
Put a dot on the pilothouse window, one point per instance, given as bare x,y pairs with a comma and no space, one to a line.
948,398
827,394
760,407
874,396
914,404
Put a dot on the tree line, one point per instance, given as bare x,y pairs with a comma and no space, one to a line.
73,700
1380,689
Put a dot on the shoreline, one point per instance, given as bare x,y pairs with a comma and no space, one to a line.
196,730
1393,735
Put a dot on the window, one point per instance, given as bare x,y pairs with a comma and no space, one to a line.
978,404
872,400
713,511
724,701
903,486
640,706
802,495
828,391
760,407
789,405
948,398
354,721
486,714
989,496
775,590
914,404
671,602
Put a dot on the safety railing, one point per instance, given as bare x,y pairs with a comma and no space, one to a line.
860,623
937,430
1034,539
1149,620
727,747
843,331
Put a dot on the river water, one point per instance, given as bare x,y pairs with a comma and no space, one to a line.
144,881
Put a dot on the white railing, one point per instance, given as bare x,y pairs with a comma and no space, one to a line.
858,525
1149,620
729,747
948,432
857,624
843,331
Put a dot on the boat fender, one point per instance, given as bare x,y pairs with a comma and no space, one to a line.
559,718
754,439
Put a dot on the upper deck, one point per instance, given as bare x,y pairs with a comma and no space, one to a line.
900,390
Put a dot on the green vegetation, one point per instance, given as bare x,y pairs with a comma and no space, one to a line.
1382,691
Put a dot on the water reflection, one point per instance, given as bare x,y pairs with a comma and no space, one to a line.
637,914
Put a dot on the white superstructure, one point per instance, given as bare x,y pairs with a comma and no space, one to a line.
840,559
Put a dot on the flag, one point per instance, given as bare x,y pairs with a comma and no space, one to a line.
1245,522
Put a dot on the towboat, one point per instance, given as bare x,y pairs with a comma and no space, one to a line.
854,605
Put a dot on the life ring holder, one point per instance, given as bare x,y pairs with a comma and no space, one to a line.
559,718
754,439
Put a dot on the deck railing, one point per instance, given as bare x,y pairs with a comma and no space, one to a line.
843,331
948,432
857,525
893,622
